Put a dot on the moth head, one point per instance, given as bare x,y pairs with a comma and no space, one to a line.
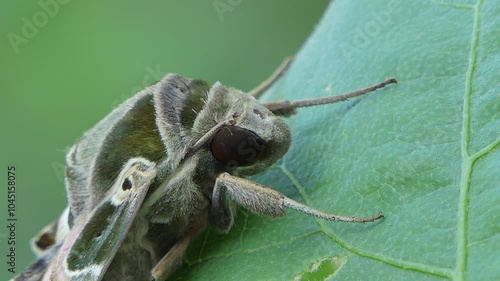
254,140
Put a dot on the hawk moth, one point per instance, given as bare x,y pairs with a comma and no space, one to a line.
158,170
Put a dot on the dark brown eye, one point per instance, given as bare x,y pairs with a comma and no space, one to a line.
236,146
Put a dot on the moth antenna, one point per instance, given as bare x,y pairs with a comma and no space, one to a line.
290,105
257,91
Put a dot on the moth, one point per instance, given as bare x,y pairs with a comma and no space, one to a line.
161,168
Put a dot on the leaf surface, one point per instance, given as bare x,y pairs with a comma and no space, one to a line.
425,152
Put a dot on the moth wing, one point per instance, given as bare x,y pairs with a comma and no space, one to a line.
92,243
95,161
76,181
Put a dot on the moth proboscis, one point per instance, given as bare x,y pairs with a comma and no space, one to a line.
161,168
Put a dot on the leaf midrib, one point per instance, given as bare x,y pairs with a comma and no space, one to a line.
467,161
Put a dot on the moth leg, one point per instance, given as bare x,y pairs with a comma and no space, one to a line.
266,201
257,91
173,258
171,261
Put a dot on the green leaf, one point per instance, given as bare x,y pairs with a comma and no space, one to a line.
425,152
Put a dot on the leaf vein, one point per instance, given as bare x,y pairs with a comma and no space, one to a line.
467,160
487,149
454,6
412,266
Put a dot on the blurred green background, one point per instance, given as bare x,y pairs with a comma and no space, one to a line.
66,64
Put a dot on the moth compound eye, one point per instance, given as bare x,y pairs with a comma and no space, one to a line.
236,146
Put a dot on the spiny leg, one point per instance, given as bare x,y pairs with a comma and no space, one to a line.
171,261
266,201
